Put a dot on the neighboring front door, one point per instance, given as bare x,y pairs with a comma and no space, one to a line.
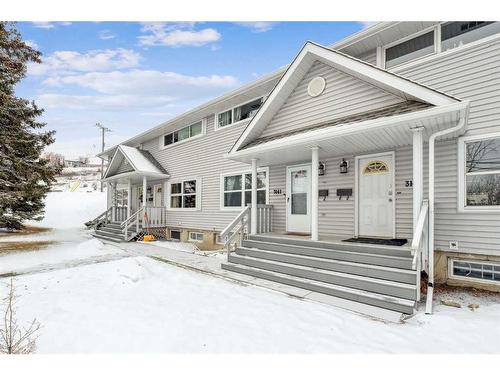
157,195
376,195
298,193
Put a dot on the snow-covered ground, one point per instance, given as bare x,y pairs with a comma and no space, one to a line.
138,304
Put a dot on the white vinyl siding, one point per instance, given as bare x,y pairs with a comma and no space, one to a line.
124,167
344,95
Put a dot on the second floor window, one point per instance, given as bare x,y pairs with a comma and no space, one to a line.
410,49
240,113
183,134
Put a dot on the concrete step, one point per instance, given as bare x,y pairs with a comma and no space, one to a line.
361,269
106,238
395,251
369,284
405,306
341,255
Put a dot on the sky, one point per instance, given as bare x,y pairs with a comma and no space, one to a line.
132,76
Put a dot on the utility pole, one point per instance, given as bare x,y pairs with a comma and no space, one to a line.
103,130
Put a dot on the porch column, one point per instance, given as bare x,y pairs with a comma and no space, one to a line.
253,229
418,173
113,202
144,190
129,198
314,193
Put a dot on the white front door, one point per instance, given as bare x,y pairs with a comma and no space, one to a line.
157,195
376,195
298,193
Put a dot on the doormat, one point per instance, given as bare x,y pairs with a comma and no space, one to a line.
298,234
378,241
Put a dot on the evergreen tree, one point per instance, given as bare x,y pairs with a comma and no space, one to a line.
25,178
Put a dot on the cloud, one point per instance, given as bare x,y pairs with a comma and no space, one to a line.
106,35
31,43
367,24
176,35
65,62
258,27
147,82
50,25
102,102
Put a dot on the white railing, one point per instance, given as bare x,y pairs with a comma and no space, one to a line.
419,244
155,216
241,225
144,218
120,214
134,221
236,230
264,218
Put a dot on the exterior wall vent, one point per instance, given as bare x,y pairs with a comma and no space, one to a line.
316,87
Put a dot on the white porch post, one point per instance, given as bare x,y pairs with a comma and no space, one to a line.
314,193
113,202
144,190
418,173
129,198
253,220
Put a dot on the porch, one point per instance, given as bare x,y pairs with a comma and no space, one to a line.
135,201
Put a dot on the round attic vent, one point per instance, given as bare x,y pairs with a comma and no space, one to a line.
316,86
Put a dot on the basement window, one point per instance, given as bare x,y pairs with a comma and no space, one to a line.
175,234
478,270
196,236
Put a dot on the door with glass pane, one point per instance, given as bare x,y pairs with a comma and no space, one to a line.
298,197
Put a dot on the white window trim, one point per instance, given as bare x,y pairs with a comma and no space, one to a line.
461,204
470,279
216,119
203,132
175,230
181,181
240,172
402,40
196,233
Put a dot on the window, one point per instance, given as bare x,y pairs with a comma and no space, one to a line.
183,194
234,115
456,34
484,271
196,236
410,49
175,234
480,160
183,134
237,189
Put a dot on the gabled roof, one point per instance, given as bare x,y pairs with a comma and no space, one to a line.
141,161
311,52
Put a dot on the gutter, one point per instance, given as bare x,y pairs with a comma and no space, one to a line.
432,139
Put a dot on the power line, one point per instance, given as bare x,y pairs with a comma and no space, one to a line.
103,130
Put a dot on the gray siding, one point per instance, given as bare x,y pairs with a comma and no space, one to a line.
470,73
124,167
201,158
344,95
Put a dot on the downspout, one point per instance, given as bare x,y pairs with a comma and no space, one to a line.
430,286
